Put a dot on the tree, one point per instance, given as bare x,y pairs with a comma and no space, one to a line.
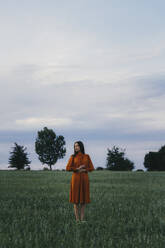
116,160
49,147
155,161
18,158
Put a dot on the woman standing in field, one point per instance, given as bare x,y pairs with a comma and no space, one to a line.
80,163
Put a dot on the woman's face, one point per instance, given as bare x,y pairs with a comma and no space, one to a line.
76,147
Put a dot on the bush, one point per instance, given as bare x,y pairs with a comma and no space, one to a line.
99,168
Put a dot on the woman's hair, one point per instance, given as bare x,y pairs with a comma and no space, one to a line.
81,145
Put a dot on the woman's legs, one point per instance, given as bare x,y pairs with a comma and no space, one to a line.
82,210
76,211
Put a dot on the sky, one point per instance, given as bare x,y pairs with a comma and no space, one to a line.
90,70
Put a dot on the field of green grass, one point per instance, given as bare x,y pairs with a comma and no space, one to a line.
127,210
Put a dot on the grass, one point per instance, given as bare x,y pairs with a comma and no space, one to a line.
127,210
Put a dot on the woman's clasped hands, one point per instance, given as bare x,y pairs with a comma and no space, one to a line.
82,168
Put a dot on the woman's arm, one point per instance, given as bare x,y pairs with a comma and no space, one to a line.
90,165
89,168
70,165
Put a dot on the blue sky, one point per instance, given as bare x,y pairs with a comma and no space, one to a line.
91,70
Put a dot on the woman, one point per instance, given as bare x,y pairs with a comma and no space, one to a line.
80,163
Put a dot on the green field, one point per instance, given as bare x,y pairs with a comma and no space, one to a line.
127,209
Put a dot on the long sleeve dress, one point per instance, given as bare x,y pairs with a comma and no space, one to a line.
79,184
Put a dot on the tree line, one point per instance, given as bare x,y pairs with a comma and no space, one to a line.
50,147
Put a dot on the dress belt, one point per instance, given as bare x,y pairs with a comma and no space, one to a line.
79,172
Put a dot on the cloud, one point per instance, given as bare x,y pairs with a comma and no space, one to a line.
33,122
136,103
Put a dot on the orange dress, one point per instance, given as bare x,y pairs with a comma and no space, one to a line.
79,184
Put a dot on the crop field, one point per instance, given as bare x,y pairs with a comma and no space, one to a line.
127,210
